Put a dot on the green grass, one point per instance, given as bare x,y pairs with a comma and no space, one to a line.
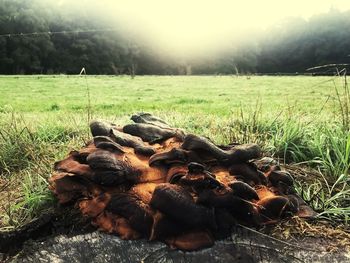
295,119
122,95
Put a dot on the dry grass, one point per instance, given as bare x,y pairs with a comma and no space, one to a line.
332,238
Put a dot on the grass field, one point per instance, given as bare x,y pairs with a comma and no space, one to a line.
202,95
303,121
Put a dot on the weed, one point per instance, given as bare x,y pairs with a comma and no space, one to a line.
54,107
35,198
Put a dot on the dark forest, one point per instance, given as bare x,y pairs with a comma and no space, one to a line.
291,46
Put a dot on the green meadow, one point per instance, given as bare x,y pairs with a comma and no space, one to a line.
206,95
302,121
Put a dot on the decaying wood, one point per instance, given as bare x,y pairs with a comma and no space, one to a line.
244,245
64,236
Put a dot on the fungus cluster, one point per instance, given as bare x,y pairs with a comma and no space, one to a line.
149,180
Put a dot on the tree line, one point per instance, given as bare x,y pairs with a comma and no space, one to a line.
290,46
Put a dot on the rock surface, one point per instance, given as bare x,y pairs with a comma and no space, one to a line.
242,246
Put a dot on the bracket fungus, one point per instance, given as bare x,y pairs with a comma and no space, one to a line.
149,180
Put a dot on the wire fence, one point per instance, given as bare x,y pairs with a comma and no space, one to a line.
51,33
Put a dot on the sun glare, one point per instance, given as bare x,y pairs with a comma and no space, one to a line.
195,24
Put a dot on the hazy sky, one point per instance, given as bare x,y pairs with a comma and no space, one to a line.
185,24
